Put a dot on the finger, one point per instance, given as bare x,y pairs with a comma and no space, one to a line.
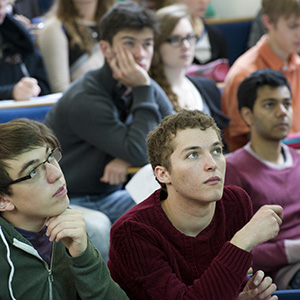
113,63
126,60
278,210
257,278
266,293
66,227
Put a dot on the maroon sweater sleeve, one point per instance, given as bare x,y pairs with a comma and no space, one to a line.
140,261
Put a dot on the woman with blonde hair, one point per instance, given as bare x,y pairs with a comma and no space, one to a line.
174,51
69,40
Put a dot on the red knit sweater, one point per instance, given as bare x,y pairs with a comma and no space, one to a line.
150,259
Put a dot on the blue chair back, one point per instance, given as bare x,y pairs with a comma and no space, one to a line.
37,113
236,33
288,294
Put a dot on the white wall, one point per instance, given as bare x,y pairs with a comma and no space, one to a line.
235,8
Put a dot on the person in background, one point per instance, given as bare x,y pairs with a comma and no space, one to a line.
211,44
269,171
44,249
276,50
183,241
69,40
102,120
174,50
22,72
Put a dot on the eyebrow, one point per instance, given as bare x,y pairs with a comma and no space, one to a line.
198,147
276,99
135,39
30,163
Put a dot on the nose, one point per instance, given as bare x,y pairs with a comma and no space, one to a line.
209,163
186,44
139,51
281,110
53,172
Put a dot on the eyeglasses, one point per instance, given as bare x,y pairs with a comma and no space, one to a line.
177,40
55,155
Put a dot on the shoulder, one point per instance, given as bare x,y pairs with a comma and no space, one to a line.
203,82
52,23
237,157
139,214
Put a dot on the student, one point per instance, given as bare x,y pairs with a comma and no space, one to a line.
45,252
22,73
211,44
269,170
193,238
174,50
103,119
69,40
276,50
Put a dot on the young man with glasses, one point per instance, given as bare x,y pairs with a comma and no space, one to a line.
44,249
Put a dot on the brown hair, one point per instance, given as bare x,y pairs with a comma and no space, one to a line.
168,17
160,141
67,13
155,4
281,8
17,137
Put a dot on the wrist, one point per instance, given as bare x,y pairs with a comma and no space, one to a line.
241,242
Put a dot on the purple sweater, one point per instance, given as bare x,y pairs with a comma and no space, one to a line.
150,259
267,183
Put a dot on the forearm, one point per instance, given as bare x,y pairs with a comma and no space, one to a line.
92,278
142,282
107,133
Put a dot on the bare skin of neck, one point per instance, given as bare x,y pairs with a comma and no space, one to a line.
87,10
284,56
188,218
268,150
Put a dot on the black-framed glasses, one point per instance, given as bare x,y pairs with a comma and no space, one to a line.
55,155
177,40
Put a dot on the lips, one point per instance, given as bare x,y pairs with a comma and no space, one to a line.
280,125
213,180
61,191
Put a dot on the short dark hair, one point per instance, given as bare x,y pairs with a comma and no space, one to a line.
280,8
126,15
17,137
160,141
247,91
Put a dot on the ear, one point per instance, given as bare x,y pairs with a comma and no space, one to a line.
247,115
6,204
162,174
106,49
267,22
